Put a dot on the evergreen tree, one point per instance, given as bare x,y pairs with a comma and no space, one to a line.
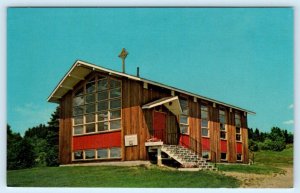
52,139
20,152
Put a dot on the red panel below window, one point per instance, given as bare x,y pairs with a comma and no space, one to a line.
184,140
103,140
205,143
239,148
223,146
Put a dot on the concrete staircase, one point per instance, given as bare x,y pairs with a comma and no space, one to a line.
186,157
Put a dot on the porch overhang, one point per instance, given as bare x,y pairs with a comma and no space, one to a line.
171,103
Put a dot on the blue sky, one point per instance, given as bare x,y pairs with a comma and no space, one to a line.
241,56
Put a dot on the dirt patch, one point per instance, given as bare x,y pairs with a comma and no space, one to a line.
280,180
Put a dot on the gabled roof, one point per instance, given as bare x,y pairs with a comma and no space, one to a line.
81,69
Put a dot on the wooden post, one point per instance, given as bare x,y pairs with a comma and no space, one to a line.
159,162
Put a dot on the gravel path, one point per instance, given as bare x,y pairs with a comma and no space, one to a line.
280,180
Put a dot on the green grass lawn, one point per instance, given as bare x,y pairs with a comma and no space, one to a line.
265,162
116,176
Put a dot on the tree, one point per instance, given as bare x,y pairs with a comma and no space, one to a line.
52,139
19,151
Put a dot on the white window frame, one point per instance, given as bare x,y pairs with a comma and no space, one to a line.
96,154
225,125
207,119
237,116
185,115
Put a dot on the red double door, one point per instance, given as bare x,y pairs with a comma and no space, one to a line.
159,125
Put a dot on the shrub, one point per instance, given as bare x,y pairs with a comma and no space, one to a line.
253,145
274,145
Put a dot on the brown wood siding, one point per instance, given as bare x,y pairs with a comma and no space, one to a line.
194,126
231,139
245,138
215,134
135,120
65,130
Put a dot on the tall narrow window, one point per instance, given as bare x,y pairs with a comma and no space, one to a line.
237,118
222,120
183,118
97,106
204,121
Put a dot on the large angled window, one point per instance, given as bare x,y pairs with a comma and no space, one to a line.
97,106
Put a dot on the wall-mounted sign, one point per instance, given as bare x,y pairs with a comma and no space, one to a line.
130,140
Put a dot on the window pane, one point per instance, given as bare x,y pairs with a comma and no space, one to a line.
78,101
115,124
78,155
115,114
204,132
115,104
90,98
103,105
90,108
102,84
78,110
205,154
223,135
204,115
115,152
223,156
89,154
90,118
222,127
103,116
238,130
79,92
237,116
90,87
204,108
102,153
103,126
183,119
183,129
239,157
78,130
102,95
78,120
238,137
90,128
204,123
238,123
114,83
185,111
115,93
221,112
183,103
222,119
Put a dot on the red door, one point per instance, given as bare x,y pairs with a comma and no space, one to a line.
159,125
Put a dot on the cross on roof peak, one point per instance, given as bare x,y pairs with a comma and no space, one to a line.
123,56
